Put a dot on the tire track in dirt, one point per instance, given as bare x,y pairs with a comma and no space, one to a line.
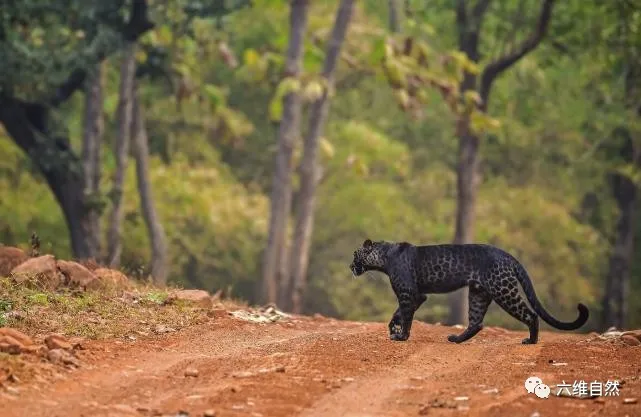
152,376
399,391
330,368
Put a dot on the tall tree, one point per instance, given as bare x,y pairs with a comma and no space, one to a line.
27,118
91,159
155,230
309,170
121,152
289,130
625,193
469,22
626,148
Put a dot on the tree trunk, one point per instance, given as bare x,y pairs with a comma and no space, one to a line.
27,123
280,199
394,16
91,145
618,276
467,181
309,165
469,21
155,230
121,151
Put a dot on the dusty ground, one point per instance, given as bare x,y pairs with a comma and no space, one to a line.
323,367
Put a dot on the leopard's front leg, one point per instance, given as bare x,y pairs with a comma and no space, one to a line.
394,325
408,302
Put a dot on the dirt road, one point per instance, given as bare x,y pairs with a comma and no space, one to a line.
322,367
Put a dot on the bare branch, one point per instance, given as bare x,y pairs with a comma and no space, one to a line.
496,67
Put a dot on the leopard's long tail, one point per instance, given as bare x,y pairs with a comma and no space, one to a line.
528,288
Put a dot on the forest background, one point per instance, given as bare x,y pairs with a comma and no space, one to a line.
251,146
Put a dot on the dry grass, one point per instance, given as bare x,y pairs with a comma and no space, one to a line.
93,314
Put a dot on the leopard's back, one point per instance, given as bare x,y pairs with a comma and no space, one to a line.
444,268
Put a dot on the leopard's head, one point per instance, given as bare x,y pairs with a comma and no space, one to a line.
370,256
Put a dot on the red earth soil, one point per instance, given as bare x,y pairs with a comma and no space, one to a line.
322,367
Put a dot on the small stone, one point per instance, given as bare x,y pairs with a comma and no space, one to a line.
55,341
39,272
599,400
630,401
461,398
16,315
634,333
242,374
12,390
75,274
109,278
17,335
124,408
10,345
200,298
491,391
348,379
161,329
209,413
10,258
191,372
630,340
61,356
535,414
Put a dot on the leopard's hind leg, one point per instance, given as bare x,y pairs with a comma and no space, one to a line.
479,301
506,294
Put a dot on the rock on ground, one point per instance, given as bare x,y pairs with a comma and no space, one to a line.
200,298
17,335
55,341
75,274
109,278
10,258
41,271
61,356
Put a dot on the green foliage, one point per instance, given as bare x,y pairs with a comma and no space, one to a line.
212,90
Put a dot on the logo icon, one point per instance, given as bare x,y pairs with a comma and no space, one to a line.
535,385
542,391
531,383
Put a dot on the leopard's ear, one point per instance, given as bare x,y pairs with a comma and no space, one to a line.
367,243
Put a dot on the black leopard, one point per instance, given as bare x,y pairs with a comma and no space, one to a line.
490,273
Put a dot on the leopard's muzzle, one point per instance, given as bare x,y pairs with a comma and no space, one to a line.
357,268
